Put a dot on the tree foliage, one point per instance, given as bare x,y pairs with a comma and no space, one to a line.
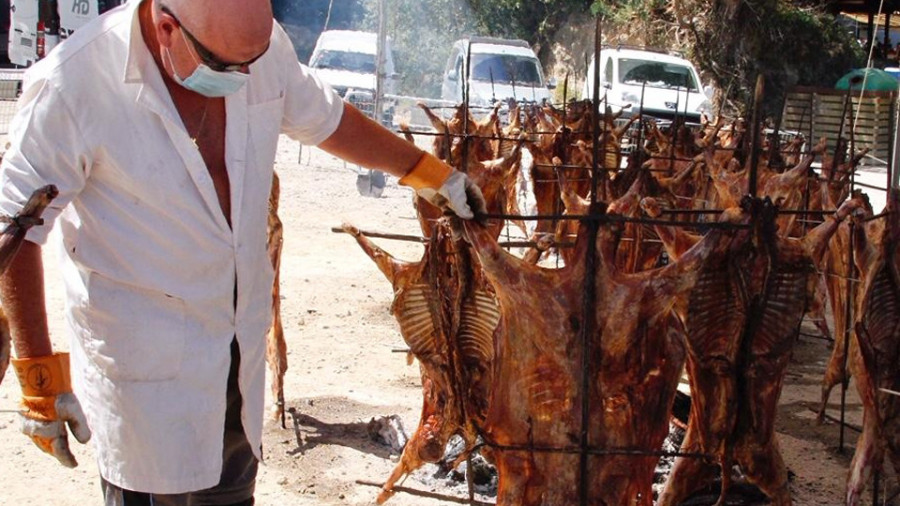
731,41
422,33
304,20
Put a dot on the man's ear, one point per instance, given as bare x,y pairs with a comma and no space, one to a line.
166,29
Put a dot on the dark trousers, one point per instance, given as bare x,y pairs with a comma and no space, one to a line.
239,465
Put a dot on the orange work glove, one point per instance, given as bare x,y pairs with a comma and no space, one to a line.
49,405
445,187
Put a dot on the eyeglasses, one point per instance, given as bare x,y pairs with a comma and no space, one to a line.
207,56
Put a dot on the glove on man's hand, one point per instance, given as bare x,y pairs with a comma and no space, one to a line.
49,404
445,187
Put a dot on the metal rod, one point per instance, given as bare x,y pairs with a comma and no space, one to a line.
847,318
890,147
588,302
754,136
422,240
816,336
831,418
605,218
470,481
384,235
425,493
571,450
877,216
837,145
876,480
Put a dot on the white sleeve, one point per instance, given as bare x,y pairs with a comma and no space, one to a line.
312,110
45,147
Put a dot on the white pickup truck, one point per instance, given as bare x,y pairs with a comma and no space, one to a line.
668,84
497,70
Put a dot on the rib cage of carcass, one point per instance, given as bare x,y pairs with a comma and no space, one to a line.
522,391
875,358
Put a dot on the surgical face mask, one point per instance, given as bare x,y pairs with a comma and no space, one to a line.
208,82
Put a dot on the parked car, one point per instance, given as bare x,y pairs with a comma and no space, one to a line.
346,61
669,83
494,70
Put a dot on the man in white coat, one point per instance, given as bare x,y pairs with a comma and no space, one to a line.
158,123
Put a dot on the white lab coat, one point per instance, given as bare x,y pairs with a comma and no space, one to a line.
150,263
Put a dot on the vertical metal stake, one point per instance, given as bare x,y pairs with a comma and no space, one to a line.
754,126
876,480
588,303
470,481
847,315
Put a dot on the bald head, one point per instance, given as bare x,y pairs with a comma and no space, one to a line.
234,30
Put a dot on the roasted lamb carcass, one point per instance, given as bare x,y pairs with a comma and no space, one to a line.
276,347
837,270
742,320
447,314
877,332
635,358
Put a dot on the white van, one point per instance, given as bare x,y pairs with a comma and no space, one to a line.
36,28
23,32
346,60
500,70
667,82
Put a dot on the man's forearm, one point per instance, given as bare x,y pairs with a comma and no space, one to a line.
22,296
360,140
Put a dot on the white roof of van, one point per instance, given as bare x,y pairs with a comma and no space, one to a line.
479,48
348,40
646,55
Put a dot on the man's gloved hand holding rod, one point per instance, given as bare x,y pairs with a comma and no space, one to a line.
49,405
445,187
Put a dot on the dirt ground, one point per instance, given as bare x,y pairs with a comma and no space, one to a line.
344,368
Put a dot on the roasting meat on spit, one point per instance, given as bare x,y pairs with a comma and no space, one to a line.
742,320
876,366
447,314
534,415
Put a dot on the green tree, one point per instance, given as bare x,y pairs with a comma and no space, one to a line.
304,20
422,33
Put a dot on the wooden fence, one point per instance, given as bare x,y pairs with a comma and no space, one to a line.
821,112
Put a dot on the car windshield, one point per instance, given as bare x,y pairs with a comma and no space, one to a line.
343,60
656,74
506,68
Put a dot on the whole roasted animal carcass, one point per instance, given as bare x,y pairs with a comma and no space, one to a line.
742,320
634,355
447,314
876,366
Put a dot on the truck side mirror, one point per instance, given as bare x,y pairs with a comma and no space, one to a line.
452,75
708,91
551,85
